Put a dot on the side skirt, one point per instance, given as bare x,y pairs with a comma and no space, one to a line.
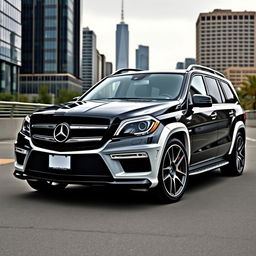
208,166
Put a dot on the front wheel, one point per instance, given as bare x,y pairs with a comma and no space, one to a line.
173,172
236,159
46,186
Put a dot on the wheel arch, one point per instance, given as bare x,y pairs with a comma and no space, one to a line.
179,131
239,127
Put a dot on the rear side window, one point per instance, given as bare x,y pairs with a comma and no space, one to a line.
213,90
197,86
229,95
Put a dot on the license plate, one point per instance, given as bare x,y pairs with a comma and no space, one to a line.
59,162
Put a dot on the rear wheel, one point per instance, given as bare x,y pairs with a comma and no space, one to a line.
173,173
47,186
236,159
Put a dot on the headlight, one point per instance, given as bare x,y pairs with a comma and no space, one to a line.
26,126
137,127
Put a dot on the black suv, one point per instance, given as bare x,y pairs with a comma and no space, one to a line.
141,129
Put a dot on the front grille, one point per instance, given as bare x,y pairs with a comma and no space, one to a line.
84,133
89,167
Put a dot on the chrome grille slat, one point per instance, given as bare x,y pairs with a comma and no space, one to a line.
88,126
85,139
43,137
44,126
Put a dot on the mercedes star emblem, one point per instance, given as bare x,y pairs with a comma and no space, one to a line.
61,132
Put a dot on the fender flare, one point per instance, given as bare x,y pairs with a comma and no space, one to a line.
239,125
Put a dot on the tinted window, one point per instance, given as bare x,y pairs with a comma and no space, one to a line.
213,89
229,96
138,86
197,86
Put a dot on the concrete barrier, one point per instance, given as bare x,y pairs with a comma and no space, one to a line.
9,128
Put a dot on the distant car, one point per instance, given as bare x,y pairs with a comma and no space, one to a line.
139,129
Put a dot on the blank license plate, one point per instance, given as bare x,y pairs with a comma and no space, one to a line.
59,162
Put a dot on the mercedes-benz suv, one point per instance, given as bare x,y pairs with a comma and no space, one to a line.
141,129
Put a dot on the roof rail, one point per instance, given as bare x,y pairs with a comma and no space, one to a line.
124,70
193,67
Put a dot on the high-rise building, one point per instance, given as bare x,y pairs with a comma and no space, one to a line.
237,75
122,43
10,44
109,68
89,59
226,39
50,45
142,57
189,61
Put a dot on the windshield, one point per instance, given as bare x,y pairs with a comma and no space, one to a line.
139,86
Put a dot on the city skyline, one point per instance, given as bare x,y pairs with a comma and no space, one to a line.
151,27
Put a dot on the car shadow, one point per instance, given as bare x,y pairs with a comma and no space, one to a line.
118,197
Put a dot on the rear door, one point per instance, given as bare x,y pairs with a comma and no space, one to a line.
224,115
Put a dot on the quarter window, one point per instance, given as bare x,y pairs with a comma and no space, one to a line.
213,90
229,95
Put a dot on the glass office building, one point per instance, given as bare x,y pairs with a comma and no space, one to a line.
50,45
10,44
142,57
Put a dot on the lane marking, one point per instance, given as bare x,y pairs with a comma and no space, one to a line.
6,161
250,139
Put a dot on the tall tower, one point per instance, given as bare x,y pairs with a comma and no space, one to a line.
122,42
51,45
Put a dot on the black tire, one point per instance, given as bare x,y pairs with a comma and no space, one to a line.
236,159
47,186
173,173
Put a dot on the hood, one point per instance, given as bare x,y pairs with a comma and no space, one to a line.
110,109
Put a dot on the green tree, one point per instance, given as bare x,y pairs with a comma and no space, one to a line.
248,92
65,96
43,95
6,96
23,98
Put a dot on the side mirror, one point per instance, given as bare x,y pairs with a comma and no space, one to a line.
76,98
202,100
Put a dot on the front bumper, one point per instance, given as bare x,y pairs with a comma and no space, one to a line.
130,162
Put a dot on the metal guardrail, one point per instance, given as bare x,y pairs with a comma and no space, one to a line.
251,114
10,109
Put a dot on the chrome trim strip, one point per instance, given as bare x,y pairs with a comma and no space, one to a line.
44,126
89,126
207,169
43,137
21,150
84,139
129,155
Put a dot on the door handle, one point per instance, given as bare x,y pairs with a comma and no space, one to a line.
231,113
214,115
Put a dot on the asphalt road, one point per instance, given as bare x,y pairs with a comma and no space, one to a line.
217,216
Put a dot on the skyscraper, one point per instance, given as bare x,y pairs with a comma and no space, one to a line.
226,39
189,61
180,65
10,44
122,43
89,59
51,45
142,57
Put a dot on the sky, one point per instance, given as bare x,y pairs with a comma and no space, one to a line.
166,26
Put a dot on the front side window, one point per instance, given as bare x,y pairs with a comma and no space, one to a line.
138,86
213,90
197,86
